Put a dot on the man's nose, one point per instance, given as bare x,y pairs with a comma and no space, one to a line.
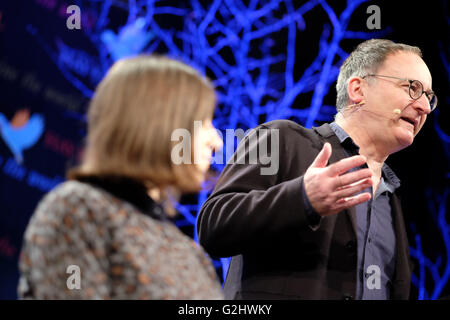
422,105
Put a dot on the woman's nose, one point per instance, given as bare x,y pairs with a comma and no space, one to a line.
216,140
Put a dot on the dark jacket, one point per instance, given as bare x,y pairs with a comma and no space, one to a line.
261,221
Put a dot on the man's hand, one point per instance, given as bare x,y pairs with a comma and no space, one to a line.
329,190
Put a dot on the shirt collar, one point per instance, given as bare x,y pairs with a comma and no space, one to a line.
392,182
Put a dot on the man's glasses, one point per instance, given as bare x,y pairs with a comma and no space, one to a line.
415,90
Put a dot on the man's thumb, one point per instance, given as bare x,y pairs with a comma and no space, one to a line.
322,158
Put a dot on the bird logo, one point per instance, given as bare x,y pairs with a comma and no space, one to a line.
22,132
130,40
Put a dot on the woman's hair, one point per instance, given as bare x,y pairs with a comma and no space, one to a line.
132,115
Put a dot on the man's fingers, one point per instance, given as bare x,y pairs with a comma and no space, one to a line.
346,203
346,164
322,158
350,178
350,191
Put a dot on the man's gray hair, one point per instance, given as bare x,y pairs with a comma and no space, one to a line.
365,59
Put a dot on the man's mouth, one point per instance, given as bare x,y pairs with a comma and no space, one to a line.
410,120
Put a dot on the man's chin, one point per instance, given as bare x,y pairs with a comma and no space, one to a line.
404,142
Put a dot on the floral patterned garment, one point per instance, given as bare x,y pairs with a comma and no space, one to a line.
120,243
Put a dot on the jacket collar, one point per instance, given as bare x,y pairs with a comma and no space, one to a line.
338,153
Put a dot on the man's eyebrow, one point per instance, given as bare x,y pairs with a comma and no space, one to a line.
426,89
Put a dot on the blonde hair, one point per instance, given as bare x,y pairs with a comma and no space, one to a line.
132,115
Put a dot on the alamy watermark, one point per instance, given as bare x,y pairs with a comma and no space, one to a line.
374,20
74,20
260,147
74,280
373,273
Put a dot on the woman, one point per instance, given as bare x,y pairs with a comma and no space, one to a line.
104,233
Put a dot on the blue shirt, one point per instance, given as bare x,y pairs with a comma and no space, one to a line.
376,243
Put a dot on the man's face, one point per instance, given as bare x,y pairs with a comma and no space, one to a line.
384,95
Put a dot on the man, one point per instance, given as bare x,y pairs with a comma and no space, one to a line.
328,224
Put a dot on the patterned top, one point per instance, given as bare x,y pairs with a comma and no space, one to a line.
97,240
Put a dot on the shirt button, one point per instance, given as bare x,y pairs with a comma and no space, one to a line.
369,240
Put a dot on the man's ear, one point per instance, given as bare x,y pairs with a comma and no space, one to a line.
355,90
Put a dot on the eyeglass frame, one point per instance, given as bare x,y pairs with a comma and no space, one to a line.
431,93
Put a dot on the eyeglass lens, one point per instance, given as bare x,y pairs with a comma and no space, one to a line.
416,91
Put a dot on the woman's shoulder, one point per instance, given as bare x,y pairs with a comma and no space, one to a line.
72,200
81,201
71,191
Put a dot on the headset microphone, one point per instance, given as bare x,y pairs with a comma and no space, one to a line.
397,111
